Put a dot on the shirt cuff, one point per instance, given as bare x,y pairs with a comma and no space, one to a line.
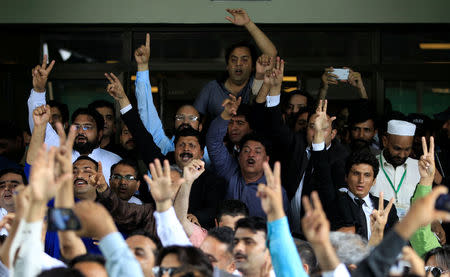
164,217
340,271
142,76
272,101
318,146
125,109
111,243
33,227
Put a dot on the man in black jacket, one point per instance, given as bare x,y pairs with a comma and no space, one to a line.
208,190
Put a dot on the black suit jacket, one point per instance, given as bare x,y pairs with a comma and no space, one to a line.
290,148
206,192
348,214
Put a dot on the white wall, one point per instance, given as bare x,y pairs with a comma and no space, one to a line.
206,11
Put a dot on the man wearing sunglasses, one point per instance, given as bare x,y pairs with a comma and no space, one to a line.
437,262
124,180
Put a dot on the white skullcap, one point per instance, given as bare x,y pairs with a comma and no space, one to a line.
401,128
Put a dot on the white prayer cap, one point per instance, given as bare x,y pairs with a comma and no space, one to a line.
401,128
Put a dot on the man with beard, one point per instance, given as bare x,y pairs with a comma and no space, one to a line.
106,109
240,59
89,123
398,176
362,129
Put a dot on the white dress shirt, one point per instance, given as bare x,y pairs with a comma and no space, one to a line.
52,139
367,209
169,229
406,191
135,200
3,212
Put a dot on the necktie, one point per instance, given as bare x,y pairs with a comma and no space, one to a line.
362,217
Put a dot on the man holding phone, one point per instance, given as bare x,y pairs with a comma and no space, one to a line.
334,76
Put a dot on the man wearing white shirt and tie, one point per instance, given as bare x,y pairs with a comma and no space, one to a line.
399,174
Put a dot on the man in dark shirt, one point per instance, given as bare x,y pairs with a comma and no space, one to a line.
246,173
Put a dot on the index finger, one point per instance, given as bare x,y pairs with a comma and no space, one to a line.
115,77
306,204
100,168
381,202
325,105
147,41
50,66
424,146
61,133
109,78
316,201
44,62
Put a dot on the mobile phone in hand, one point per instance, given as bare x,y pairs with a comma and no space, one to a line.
341,73
443,203
62,219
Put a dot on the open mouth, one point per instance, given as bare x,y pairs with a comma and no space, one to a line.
80,182
238,71
251,162
239,257
186,156
123,189
81,139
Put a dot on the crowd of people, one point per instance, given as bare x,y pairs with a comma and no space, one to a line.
254,182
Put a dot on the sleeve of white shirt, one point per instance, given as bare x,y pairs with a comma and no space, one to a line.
272,101
27,265
169,229
318,146
125,109
339,271
35,100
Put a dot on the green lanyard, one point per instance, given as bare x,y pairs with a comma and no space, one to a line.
389,179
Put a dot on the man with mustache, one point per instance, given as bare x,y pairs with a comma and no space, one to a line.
89,123
240,61
208,189
398,173
251,254
243,175
362,128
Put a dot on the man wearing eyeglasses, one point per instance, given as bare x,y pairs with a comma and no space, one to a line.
89,123
124,181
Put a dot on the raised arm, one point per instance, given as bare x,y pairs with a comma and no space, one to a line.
144,140
224,163
169,229
181,204
41,116
240,17
144,97
285,258
96,222
70,244
423,239
37,98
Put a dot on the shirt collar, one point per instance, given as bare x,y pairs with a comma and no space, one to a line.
367,200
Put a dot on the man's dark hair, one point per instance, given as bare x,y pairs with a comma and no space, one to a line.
188,256
63,109
244,43
130,162
253,223
10,131
61,271
287,98
102,104
307,255
224,235
245,110
87,258
363,156
15,171
155,239
190,132
98,118
259,138
232,207
87,158
442,256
